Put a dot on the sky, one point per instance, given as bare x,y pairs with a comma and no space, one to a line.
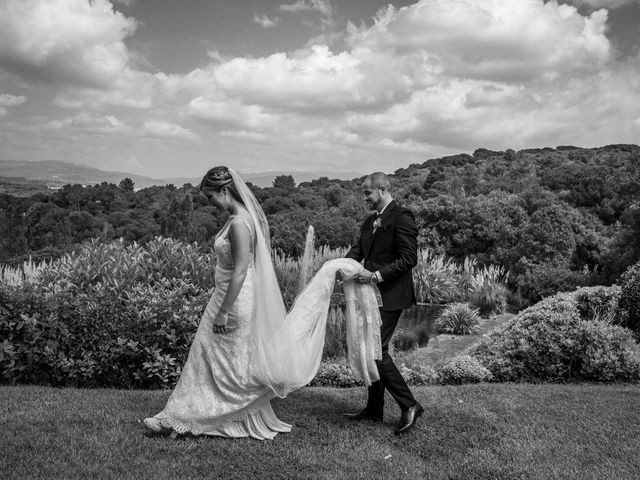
169,88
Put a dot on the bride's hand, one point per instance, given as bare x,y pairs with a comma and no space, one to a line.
220,322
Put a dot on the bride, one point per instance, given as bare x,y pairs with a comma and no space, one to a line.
248,349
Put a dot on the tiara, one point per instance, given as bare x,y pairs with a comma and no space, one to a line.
222,175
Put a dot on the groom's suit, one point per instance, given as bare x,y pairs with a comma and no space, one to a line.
392,251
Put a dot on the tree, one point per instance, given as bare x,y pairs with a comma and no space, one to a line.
126,184
285,182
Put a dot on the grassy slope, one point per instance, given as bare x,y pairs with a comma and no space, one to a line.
490,431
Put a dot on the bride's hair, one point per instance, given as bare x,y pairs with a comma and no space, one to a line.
217,178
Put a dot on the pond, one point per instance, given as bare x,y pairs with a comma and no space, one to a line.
422,315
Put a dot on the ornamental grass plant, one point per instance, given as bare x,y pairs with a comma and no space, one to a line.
441,280
27,272
459,319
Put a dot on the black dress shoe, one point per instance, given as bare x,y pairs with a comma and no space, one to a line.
409,418
364,414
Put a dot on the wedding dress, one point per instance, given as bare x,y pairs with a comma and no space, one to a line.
228,380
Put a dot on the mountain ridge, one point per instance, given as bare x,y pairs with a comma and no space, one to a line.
56,173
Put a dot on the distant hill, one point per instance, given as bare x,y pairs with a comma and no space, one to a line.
56,173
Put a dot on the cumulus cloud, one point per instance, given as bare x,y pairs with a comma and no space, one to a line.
59,41
265,21
244,135
7,100
162,129
492,39
434,76
90,123
314,80
131,89
321,7
230,112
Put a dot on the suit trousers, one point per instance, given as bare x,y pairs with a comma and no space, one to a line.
390,377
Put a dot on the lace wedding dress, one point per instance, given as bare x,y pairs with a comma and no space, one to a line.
228,380
218,392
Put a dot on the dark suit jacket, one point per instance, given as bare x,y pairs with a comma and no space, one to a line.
393,251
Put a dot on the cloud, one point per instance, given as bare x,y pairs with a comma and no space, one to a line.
230,112
321,7
244,135
315,80
434,77
493,39
7,100
90,123
131,89
610,4
61,41
442,74
162,129
265,21
125,3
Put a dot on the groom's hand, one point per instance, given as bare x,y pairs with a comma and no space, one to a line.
364,277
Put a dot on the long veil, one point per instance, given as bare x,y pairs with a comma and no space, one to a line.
288,347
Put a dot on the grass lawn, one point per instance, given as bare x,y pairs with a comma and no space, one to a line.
487,431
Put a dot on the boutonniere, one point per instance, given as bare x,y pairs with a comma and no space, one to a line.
377,223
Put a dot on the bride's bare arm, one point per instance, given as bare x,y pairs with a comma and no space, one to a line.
240,237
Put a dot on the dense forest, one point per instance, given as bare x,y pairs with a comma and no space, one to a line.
557,218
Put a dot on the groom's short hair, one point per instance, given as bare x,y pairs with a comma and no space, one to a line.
379,180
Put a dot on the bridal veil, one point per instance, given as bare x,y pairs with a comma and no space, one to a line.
288,346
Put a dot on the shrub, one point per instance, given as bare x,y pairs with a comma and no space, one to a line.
459,318
418,374
550,341
69,339
629,305
336,374
117,266
546,279
598,303
464,369
619,360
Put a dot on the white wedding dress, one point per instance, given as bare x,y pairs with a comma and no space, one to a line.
218,392
228,380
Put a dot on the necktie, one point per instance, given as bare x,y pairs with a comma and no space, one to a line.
377,222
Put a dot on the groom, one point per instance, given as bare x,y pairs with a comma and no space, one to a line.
388,246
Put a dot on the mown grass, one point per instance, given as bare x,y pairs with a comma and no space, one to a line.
487,431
